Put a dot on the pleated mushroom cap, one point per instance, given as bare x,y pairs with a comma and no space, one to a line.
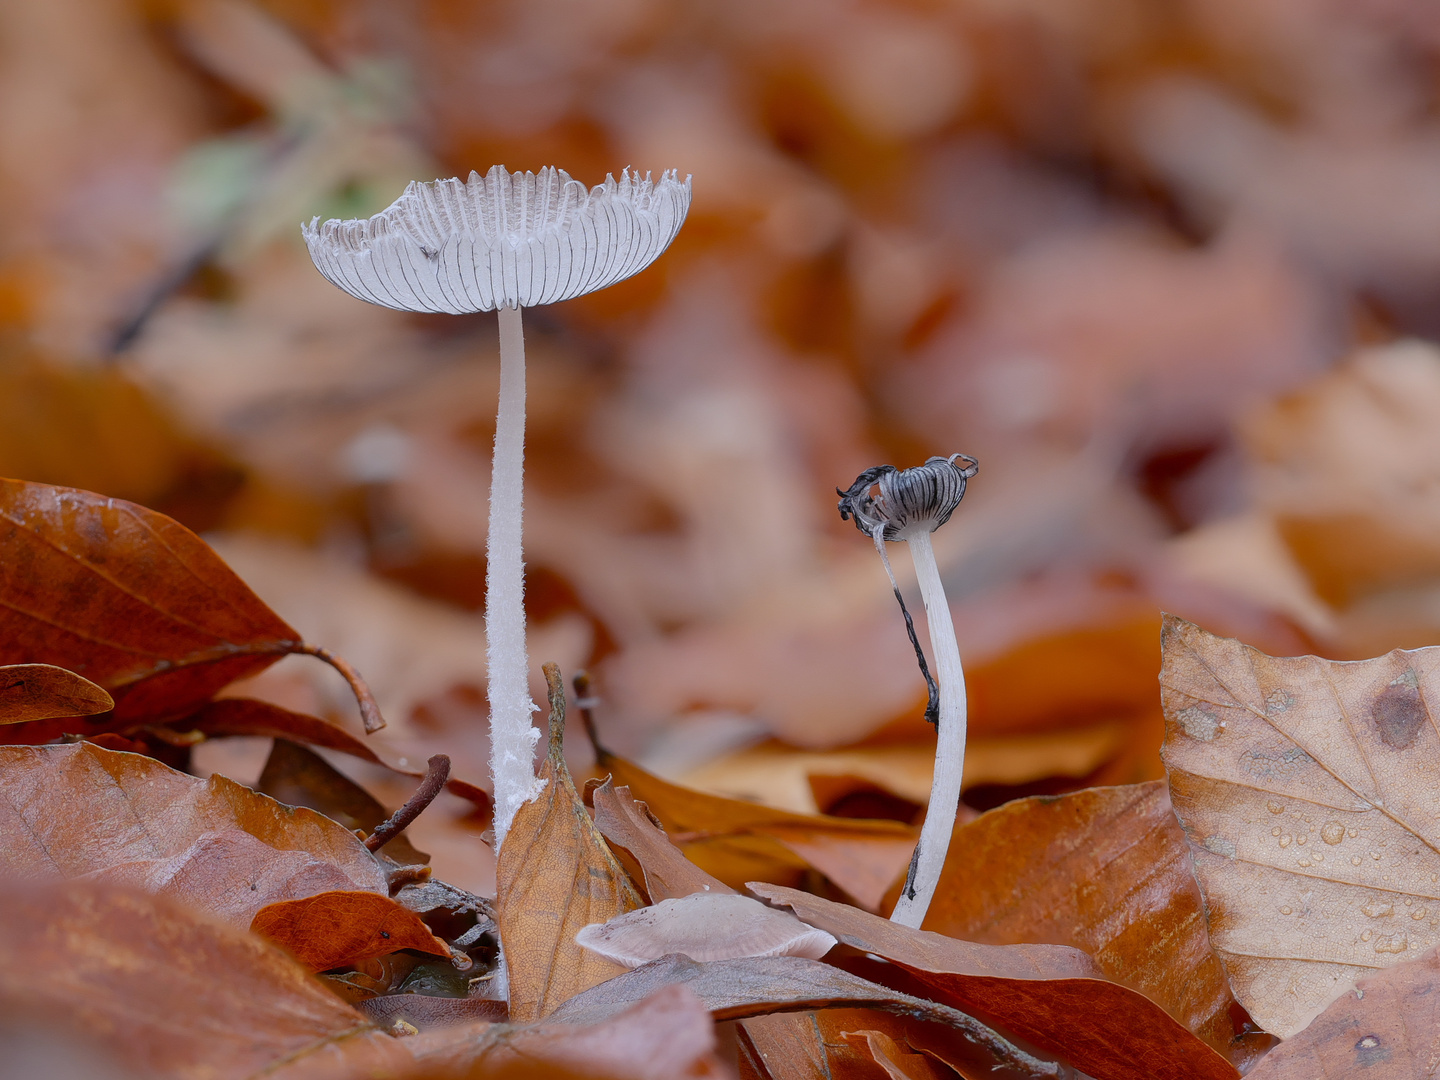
704,926
501,240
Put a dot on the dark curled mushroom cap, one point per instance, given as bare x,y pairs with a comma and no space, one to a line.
908,500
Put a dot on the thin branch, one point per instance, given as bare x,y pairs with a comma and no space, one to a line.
586,701
436,773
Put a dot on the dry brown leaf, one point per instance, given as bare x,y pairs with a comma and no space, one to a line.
83,810
1107,871
898,1060
814,1045
1306,788
666,1036
555,876
738,841
1385,1028
42,691
1050,995
336,929
626,823
736,989
128,598
168,992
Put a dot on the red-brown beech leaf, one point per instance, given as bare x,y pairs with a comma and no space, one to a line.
41,691
1050,995
1307,789
1384,1029
626,823
857,1044
333,929
164,991
1107,871
81,810
666,1036
756,986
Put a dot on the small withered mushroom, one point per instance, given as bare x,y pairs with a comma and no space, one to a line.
704,926
502,242
888,504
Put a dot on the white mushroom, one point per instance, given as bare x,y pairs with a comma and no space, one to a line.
503,241
704,926
909,506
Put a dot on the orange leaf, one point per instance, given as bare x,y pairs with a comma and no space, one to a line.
626,823
555,875
1050,995
333,929
1105,870
83,810
42,691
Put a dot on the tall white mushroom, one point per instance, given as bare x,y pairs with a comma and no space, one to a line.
503,241
888,504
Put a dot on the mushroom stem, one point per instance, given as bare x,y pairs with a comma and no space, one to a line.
512,735
934,842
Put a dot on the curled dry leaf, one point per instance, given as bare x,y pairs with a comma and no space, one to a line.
662,1037
628,824
165,991
1050,995
828,1042
1385,1027
81,810
43,691
333,929
897,1059
741,841
554,877
1106,871
704,926
756,986
1307,791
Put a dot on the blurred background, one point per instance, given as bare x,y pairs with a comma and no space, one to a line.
1169,270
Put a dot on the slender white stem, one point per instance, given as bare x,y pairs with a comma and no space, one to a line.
934,842
512,735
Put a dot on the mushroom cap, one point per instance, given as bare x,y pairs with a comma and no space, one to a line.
502,240
704,926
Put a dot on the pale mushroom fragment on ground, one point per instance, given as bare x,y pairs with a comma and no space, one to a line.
704,926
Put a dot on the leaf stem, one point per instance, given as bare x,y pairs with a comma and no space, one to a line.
369,708
436,774
512,735
934,842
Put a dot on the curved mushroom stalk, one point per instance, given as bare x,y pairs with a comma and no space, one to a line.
503,241
909,506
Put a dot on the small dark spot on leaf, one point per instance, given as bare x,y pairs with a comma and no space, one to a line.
385,934
1370,1050
1398,714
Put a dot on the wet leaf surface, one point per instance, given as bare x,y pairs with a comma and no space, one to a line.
337,929
1107,871
1051,995
1385,1028
42,691
127,598
554,877
168,992
80,810
1307,791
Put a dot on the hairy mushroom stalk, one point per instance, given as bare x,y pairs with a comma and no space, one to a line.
888,504
502,242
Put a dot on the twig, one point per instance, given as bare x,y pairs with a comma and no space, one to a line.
436,773
585,701
369,708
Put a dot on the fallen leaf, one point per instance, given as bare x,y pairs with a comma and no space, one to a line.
42,691
626,823
127,598
168,992
1385,1027
81,810
756,986
555,876
1050,995
703,926
813,1045
738,841
295,776
336,929
665,1036
1106,871
898,1061
1306,789
424,1012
